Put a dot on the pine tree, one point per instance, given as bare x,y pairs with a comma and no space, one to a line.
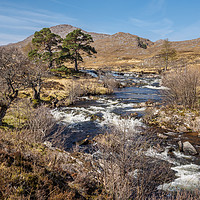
75,44
46,45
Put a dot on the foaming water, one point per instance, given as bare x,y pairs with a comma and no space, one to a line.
156,87
188,177
187,173
151,152
107,112
89,118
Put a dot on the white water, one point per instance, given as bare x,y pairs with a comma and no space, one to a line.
156,87
72,115
110,112
162,156
188,177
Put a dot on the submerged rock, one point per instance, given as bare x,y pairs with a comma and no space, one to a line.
189,149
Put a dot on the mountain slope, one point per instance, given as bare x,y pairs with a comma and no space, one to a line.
121,51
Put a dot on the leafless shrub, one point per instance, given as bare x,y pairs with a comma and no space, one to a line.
75,91
35,75
109,82
127,173
40,123
182,84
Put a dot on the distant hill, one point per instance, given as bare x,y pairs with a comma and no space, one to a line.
121,51
61,30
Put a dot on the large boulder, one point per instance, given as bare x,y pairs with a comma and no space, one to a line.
189,149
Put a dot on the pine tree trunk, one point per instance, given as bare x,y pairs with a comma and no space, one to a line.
76,65
50,58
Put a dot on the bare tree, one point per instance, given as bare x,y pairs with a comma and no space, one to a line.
35,77
12,77
167,53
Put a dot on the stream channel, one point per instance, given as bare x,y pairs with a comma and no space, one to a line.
89,117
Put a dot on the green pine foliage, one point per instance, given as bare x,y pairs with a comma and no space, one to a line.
75,44
46,45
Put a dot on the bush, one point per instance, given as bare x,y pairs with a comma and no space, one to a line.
40,123
182,87
110,82
127,173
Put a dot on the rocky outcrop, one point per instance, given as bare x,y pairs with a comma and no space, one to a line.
187,148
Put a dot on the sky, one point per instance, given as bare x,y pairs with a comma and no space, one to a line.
176,20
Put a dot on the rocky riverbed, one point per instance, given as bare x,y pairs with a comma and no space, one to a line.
133,106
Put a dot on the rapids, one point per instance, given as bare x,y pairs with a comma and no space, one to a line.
89,118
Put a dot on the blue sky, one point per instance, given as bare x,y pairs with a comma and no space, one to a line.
152,19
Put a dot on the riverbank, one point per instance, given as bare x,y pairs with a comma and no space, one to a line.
107,145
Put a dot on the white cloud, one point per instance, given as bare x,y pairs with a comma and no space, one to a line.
31,28
141,23
38,16
20,21
161,27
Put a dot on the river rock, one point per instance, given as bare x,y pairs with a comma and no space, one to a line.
180,146
162,136
171,134
170,151
189,149
48,144
134,114
142,104
83,142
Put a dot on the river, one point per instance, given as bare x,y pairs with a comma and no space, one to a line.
90,117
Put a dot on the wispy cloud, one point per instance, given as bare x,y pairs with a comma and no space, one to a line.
10,38
161,27
37,16
18,21
18,27
156,6
191,31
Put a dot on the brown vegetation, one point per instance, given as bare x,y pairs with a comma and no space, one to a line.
182,87
121,52
120,170
31,170
127,173
13,65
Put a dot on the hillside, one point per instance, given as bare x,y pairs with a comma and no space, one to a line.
121,51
